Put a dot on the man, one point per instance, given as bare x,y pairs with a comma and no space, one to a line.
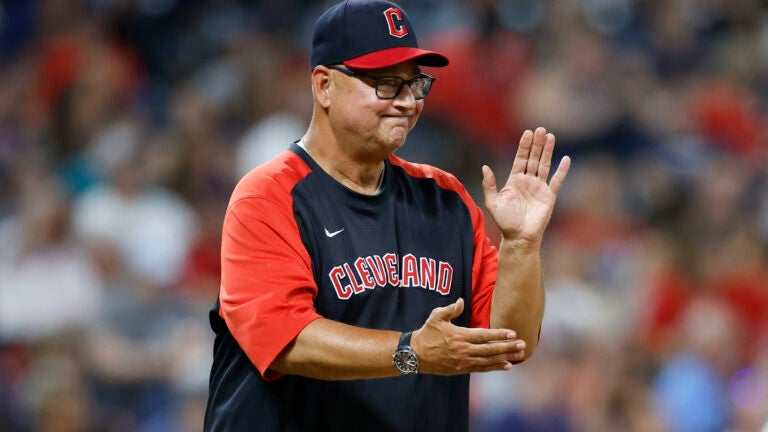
359,290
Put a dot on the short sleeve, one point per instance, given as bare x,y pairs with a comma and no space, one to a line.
267,285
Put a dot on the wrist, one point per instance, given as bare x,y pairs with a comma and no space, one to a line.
518,245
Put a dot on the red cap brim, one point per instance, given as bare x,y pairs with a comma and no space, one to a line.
392,56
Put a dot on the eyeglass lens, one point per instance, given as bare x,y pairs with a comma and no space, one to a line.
390,87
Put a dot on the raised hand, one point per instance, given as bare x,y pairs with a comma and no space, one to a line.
523,206
447,349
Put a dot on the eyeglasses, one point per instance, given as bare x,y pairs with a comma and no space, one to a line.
388,87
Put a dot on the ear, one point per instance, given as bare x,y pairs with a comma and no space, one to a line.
321,86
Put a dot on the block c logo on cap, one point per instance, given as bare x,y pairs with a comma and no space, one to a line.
395,29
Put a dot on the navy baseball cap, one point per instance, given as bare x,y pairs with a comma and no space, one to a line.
368,34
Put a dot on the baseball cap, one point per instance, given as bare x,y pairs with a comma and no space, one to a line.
368,34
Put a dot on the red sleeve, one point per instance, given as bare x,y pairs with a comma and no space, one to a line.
267,285
485,264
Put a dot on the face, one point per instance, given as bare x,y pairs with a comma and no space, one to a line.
375,126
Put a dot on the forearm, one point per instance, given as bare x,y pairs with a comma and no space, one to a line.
518,297
331,350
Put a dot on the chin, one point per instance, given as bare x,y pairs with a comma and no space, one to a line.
396,143
398,135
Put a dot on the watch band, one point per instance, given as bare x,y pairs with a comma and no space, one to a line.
405,340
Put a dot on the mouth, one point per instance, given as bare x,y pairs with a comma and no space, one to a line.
398,116
398,121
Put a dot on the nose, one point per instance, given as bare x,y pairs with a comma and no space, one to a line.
405,99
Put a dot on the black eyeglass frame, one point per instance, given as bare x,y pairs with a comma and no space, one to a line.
403,82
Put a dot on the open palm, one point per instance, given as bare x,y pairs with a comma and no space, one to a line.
523,206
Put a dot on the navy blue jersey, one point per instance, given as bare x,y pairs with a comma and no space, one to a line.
297,245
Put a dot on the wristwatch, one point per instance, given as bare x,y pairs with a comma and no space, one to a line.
405,359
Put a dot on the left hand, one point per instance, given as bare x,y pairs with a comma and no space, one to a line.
523,207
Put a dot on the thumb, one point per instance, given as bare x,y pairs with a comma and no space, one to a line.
489,184
449,312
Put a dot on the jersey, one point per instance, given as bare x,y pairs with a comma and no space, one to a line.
297,245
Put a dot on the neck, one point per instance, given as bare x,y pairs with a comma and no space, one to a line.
358,174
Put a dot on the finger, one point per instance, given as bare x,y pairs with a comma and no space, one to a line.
489,183
489,186
447,313
500,358
503,366
523,150
559,177
481,336
539,138
493,349
546,157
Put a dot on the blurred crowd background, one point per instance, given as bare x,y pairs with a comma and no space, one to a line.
124,125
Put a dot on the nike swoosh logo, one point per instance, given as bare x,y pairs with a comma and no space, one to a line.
332,234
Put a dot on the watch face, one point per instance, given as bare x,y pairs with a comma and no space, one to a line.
406,362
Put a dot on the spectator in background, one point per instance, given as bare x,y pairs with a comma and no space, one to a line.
48,284
475,91
282,119
690,390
